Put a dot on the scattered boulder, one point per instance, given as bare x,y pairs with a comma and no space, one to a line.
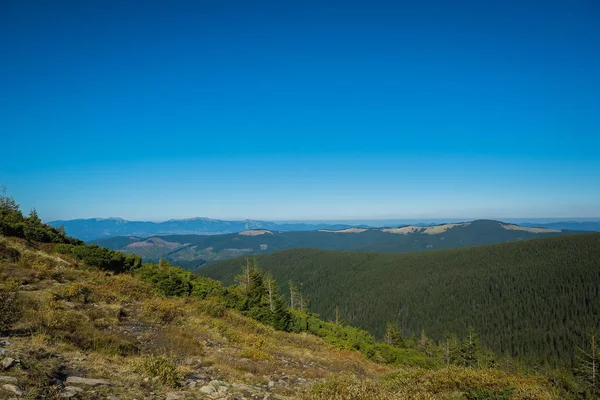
208,389
76,380
14,389
8,379
174,396
9,362
112,398
70,391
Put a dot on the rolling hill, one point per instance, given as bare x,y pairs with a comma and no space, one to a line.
95,228
191,251
533,299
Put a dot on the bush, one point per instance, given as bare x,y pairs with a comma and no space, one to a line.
74,292
11,308
162,368
213,306
9,254
163,311
168,280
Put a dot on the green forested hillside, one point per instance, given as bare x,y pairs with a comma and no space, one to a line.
534,299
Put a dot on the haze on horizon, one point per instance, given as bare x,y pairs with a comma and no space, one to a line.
301,111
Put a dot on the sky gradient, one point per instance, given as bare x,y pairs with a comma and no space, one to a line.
301,110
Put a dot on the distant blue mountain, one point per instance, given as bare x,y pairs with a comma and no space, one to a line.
97,228
592,226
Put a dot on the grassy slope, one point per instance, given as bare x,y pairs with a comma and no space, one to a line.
85,322
533,299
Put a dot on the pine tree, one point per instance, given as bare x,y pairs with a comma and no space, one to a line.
293,295
451,348
34,219
470,349
271,287
338,315
393,335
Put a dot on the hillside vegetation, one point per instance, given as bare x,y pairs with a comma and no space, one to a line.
75,330
192,251
535,300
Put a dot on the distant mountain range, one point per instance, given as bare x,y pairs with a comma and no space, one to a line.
192,251
96,228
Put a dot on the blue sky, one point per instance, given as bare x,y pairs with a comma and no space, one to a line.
301,109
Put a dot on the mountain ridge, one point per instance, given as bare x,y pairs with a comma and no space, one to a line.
192,251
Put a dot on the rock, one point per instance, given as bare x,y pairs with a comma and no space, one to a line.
174,396
112,398
222,389
271,384
241,386
14,389
70,391
208,389
87,381
9,362
8,379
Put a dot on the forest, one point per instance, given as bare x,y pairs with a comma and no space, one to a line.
534,300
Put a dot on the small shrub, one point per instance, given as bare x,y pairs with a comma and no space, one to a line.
183,342
9,254
164,311
162,368
123,287
11,308
213,306
74,292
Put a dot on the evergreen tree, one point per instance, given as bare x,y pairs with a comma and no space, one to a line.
293,295
338,315
470,349
34,219
451,348
393,335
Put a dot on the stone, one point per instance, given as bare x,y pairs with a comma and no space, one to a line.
8,379
70,391
222,389
9,362
174,396
112,398
88,381
14,389
271,384
208,389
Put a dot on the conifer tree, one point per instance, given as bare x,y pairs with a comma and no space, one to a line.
34,219
293,295
393,335
470,349
451,348
338,315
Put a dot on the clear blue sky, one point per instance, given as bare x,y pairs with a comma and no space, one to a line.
301,109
